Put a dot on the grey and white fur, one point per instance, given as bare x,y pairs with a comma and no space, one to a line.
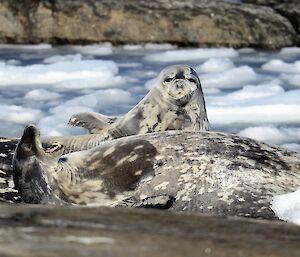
204,172
175,102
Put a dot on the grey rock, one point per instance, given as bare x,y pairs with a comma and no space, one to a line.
190,22
72,231
287,8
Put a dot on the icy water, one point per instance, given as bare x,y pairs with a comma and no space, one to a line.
251,93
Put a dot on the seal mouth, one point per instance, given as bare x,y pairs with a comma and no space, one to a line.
56,147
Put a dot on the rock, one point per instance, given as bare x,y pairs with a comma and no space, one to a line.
189,22
292,12
266,2
287,8
76,231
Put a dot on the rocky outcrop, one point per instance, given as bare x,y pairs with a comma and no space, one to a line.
55,231
287,8
189,22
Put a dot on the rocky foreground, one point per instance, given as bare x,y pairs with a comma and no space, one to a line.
267,24
69,231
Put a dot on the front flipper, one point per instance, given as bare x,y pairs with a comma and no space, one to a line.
162,202
95,123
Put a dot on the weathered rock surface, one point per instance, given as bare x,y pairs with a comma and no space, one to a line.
72,231
287,8
189,22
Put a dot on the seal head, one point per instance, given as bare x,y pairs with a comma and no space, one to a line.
29,171
178,82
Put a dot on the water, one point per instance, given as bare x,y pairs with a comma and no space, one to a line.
252,93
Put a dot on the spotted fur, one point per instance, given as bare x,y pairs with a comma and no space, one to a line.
189,171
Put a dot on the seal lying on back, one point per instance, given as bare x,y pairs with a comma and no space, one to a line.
178,170
175,102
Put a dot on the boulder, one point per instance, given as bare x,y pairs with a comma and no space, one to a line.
77,231
287,8
189,22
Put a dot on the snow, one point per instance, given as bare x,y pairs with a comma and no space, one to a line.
287,206
61,71
290,51
191,55
281,66
101,100
272,134
18,114
63,58
215,65
230,79
292,80
151,46
41,95
95,49
26,47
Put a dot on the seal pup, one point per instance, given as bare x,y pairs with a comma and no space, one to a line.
189,171
175,102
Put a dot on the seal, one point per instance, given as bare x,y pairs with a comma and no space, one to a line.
175,102
204,172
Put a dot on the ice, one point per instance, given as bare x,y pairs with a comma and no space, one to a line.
272,134
230,79
63,58
151,46
287,206
289,51
95,50
41,95
13,62
191,55
150,83
292,146
281,66
45,74
132,47
257,105
26,47
215,65
248,93
91,83
18,114
275,113
291,79
241,98
99,101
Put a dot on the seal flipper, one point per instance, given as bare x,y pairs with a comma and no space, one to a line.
162,202
95,123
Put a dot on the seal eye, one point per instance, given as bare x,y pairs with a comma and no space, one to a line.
192,80
168,79
27,147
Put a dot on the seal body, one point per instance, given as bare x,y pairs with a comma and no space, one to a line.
175,102
178,170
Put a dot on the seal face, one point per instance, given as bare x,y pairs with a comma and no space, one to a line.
189,171
28,169
175,102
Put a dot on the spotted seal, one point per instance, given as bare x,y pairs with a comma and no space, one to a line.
190,171
175,102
